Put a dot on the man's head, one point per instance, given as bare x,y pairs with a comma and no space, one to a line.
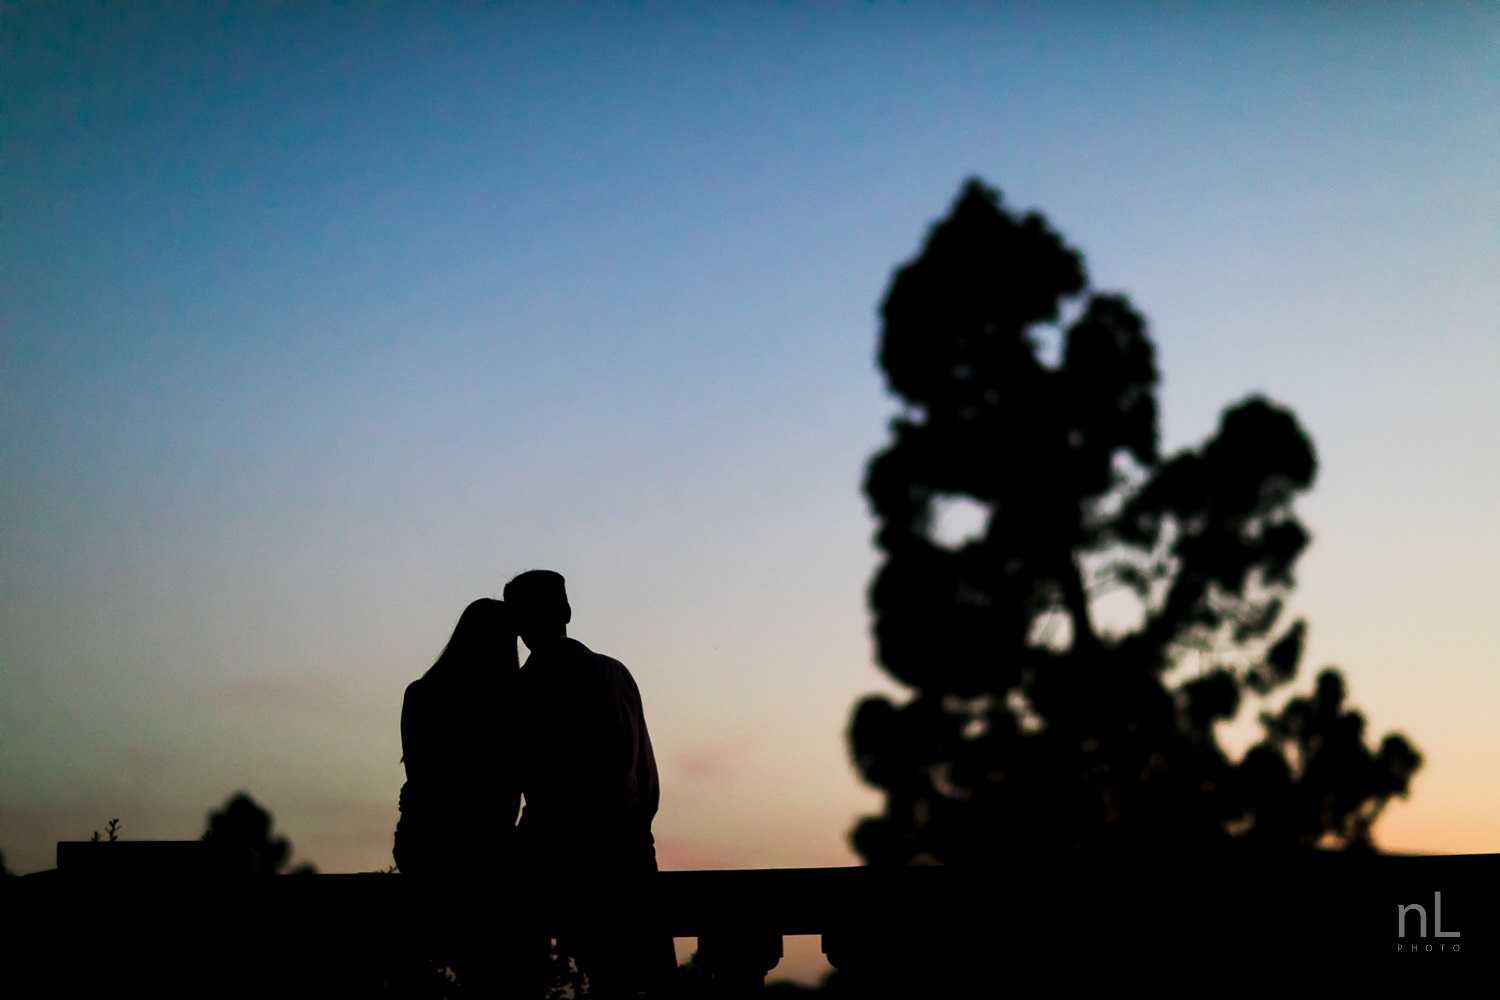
539,606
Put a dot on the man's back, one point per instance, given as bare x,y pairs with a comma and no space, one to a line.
589,773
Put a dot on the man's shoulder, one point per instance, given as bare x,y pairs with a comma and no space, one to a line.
607,668
571,657
598,661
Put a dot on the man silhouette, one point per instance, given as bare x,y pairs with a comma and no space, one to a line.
588,775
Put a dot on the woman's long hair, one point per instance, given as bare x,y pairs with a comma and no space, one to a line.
482,647
454,726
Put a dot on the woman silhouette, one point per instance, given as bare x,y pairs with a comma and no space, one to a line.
462,792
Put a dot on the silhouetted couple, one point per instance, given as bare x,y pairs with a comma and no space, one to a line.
568,732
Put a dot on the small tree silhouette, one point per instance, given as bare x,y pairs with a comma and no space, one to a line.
1033,725
243,828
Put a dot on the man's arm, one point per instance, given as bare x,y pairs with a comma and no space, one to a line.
627,766
412,729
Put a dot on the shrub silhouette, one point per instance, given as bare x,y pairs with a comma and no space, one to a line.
243,829
1032,725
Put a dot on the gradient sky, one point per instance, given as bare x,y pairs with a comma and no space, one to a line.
317,322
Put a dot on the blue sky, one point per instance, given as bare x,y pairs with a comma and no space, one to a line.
320,321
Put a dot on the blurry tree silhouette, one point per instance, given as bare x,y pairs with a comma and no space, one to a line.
1037,722
244,828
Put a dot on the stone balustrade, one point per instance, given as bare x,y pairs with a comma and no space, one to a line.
186,920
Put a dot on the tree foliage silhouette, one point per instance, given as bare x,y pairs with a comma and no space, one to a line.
1034,724
243,828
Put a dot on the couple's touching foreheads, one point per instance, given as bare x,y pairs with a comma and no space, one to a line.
567,732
